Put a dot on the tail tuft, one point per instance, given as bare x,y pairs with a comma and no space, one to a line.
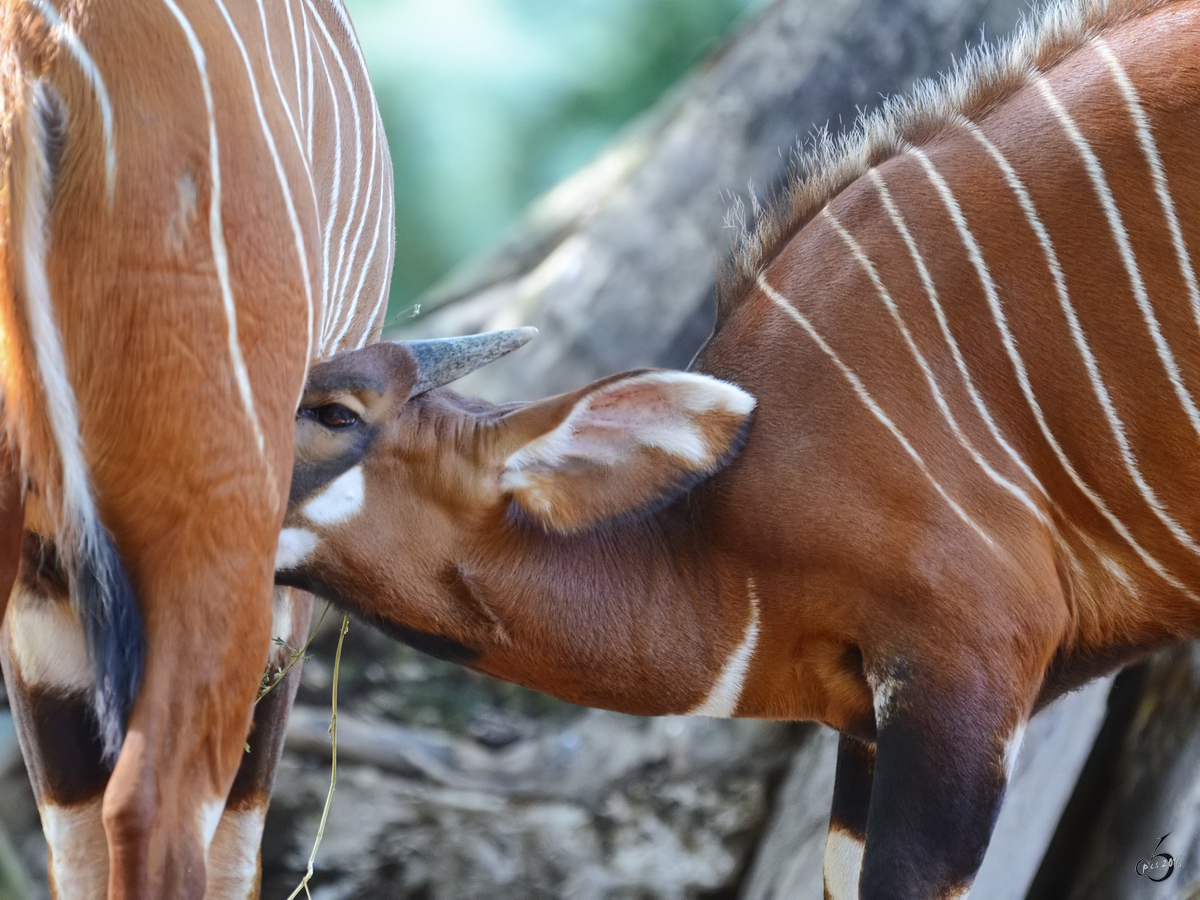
115,637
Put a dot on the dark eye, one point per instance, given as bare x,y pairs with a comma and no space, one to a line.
331,415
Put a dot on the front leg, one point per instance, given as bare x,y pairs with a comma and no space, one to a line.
940,772
848,817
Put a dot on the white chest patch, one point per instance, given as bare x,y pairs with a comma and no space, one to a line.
78,849
48,645
338,502
722,700
294,547
843,865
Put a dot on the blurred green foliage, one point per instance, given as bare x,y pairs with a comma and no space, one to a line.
488,103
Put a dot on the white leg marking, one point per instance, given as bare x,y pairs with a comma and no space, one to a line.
1010,347
1012,750
338,502
722,700
1158,172
843,864
295,544
280,174
233,855
210,818
78,508
78,849
1104,193
930,379
869,402
216,228
48,646
281,617
65,33
883,691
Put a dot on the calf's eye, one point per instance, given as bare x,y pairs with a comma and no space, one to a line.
331,415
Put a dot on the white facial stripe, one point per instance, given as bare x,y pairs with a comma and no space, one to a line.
78,849
232,871
869,402
1026,203
843,864
338,502
48,646
216,230
930,379
1158,173
722,700
65,33
295,544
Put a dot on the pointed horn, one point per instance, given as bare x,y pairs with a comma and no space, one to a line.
445,360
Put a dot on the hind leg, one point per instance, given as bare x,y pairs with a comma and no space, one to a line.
12,527
50,683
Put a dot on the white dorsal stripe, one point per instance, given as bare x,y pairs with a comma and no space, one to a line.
1116,225
1009,343
65,33
930,379
216,228
869,402
726,692
1149,147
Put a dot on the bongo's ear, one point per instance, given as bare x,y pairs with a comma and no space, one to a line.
623,444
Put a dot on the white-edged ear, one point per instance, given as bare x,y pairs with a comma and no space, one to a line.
629,442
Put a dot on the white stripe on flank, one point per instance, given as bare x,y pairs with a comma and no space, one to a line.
336,277
1092,164
299,115
869,402
308,66
1104,193
385,282
64,32
293,215
1158,172
352,313
944,325
722,700
1006,336
78,509
930,379
216,228
335,189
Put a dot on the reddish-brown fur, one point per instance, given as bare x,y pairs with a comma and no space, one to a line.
193,504
907,596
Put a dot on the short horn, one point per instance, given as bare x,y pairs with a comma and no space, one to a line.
444,360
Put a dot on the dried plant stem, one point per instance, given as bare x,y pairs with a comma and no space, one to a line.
337,662
297,655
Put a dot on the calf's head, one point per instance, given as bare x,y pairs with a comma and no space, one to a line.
398,481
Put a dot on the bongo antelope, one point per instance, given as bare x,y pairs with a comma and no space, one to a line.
961,360
195,205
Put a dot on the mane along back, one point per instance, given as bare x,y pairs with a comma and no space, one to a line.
975,85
